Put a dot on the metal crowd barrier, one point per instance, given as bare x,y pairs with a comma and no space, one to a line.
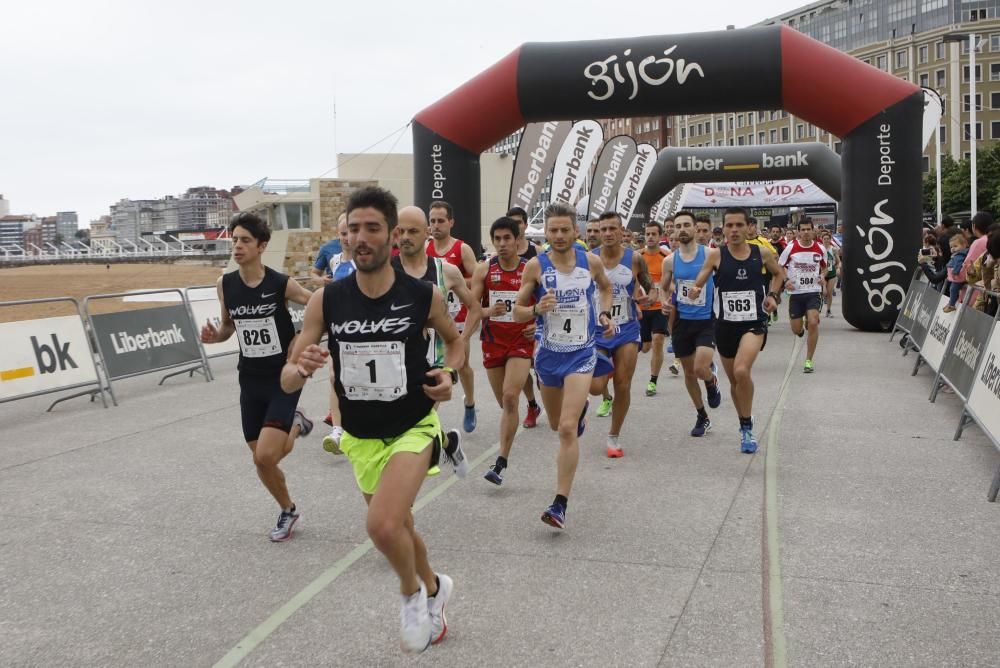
963,349
35,361
141,341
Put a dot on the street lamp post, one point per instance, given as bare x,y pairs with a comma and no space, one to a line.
973,47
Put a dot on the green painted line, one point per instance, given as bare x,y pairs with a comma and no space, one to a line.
775,593
327,577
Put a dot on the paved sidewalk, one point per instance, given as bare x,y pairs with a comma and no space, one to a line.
137,535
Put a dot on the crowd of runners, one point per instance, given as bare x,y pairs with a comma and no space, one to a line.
400,299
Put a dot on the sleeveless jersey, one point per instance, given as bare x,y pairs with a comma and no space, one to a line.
685,274
379,354
741,285
805,264
435,276
623,310
654,265
453,255
502,286
531,252
573,324
343,269
263,325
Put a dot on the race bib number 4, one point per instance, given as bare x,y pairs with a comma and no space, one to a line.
683,290
740,306
509,298
258,337
454,304
373,371
567,325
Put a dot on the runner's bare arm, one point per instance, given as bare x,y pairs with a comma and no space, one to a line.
604,291
478,287
296,292
468,260
454,351
212,334
776,270
641,273
525,307
667,285
712,256
453,280
307,355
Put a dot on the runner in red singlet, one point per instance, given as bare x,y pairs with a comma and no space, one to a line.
454,251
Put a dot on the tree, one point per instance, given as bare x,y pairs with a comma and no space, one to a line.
955,178
83,236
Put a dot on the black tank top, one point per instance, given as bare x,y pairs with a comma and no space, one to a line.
430,276
263,325
742,287
379,354
531,252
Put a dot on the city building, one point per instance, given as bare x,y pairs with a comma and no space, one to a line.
67,225
102,237
13,227
4,207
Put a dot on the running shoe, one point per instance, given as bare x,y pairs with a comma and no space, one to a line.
331,443
286,522
808,367
801,332
435,608
555,516
774,317
714,368
604,410
701,426
304,423
675,368
531,419
469,421
714,394
582,424
670,346
748,444
415,622
650,389
829,314
452,451
614,450
494,474
328,420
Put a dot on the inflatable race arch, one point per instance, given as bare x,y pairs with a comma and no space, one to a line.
877,116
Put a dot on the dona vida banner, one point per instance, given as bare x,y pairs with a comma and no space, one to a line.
792,192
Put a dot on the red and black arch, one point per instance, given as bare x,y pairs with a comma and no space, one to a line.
876,115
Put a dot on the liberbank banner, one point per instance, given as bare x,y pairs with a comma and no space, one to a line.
984,398
133,342
962,359
44,355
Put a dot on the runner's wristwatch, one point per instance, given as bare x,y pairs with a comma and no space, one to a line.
607,313
775,296
451,372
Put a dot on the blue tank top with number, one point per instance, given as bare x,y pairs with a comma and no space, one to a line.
623,311
572,325
685,274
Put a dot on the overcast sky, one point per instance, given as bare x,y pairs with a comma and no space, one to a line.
105,99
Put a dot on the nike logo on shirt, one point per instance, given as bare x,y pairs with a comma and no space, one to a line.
265,296
393,307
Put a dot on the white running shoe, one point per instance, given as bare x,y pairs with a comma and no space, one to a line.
331,443
415,623
451,451
435,608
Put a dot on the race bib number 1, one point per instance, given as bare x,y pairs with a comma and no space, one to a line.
258,337
739,306
373,371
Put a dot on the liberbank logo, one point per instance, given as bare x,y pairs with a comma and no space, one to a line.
690,163
49,358
123,342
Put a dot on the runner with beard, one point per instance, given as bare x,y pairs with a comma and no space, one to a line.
805,262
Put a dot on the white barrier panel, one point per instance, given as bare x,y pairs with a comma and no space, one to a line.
44,355
938,334
210,309
984,399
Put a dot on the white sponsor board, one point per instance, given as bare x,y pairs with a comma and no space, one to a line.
790,192
938,334
44,355
635,180
210,310
984,399
575,160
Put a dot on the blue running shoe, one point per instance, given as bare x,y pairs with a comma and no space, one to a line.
670,346
714,395
582,425
469,421
748,444
701,426
555,516
715,369
495,475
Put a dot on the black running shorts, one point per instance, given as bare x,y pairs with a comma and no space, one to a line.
729,334
264,404
653,322
688,335
800,304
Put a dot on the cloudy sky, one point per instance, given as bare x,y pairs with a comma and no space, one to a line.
106,99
